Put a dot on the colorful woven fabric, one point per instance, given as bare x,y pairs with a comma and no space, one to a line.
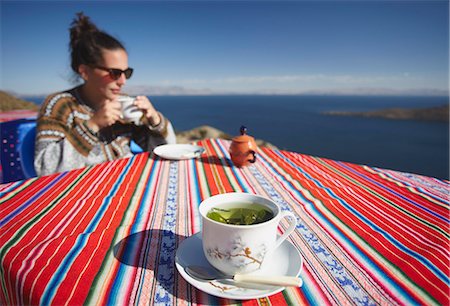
17,114
108,234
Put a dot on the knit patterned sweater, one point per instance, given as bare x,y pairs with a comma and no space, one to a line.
65,142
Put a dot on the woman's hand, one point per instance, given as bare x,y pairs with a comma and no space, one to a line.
144,104
107,114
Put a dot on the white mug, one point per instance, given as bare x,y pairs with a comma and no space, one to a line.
241,249
130,112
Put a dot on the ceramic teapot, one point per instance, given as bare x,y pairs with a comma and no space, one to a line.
243,149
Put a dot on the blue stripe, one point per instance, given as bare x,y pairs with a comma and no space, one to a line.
376,228
439,199
395,193
332,228
32,200
165,268
12,187
196,182
402,247
131,251
309,295
81,241
386,235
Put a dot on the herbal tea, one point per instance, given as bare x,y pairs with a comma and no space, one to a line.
251,214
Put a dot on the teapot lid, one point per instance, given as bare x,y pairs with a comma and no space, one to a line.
243,137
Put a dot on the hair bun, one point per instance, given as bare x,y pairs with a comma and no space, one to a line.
81,28
87,42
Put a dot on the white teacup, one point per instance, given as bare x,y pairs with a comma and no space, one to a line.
130,112
241,249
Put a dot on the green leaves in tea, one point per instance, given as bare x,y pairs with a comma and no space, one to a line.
240,216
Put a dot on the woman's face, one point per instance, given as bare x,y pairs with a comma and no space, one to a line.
99,82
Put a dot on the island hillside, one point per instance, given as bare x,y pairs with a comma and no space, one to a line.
8,102
439,113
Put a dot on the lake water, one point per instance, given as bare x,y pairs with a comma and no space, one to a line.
297,123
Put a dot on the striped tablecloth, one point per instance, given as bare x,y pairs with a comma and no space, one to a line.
17,114
108,234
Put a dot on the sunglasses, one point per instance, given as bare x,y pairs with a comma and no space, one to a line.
116,73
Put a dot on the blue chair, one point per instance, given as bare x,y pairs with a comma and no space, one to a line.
17,149
135,148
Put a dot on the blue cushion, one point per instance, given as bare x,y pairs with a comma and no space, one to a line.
135,148
17,149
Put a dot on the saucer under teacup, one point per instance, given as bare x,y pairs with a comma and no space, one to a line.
287,261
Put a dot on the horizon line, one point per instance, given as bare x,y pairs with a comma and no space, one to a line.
181,91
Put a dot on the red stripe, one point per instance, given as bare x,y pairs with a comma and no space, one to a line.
71,229
426,278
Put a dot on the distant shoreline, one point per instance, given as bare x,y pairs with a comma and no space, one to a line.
9,103
436,113
300,126
439,113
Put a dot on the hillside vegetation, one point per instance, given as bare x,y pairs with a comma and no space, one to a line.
8,102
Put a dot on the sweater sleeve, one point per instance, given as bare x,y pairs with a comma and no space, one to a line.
63,140
148,137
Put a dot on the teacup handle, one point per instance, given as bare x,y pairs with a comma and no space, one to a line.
290,229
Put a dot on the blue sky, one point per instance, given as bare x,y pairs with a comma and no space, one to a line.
216,47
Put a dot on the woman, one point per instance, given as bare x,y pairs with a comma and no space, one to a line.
83,126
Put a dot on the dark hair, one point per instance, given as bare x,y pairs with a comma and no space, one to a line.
87,42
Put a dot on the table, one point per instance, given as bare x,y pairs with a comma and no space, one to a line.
17,114
108,234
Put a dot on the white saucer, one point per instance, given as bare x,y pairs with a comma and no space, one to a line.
178,151
190,252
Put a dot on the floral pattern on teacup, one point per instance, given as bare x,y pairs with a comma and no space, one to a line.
240,254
